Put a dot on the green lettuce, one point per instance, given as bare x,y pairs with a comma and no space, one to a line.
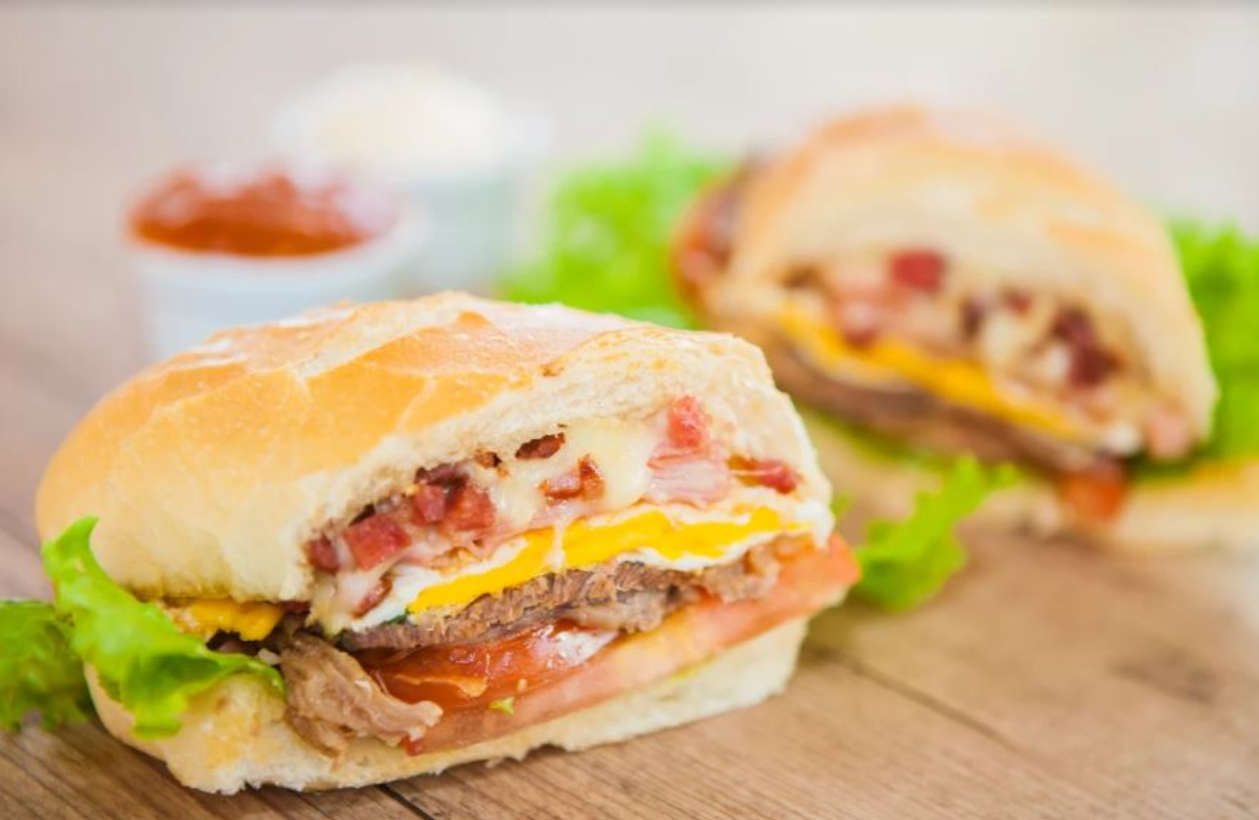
38,672
141,658
1221,267
605,243
905,563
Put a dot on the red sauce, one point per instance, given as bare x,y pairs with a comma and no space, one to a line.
260,211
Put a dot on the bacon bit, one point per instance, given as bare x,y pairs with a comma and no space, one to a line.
488,460
374,539
1096,494
446,475
1090,363
584,482
688,425
543,447
322,555
972,317
413,745
801,277
428,504
377,594
769,472
919,268
1017,300
469,509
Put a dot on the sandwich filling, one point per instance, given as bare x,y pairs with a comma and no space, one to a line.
905,341
485,586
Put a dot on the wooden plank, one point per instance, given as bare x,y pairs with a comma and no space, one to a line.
82,772
1137,681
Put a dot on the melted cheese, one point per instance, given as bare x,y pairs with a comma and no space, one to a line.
961,382
252,621
621,450
651,533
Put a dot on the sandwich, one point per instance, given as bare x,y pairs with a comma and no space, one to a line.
928,283
377,541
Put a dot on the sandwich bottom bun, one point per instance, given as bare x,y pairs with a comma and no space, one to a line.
1215,506
235,734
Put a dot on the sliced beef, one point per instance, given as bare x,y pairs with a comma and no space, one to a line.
631,597
331,700
920,417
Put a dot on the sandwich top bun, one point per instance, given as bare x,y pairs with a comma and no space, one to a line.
211,470
1008,211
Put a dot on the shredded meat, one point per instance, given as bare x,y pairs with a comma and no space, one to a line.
630,597
918,416
331,700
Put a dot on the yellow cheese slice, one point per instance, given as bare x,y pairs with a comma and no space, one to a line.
584,545
252,621
961,382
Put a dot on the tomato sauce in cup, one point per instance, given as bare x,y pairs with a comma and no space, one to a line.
228,244
264,211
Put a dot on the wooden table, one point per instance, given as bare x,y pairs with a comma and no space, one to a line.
1046,682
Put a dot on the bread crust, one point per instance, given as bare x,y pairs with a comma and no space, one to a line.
235,736
210,471
1010,212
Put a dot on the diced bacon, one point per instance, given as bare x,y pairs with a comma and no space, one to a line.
447,475
687,425
972,312
374,539
543,447
470,509
688,480
1090,366
374,596
1167,433
322,555
769,472
428,504
487,460
584,482
1090,363
1017,300
918,268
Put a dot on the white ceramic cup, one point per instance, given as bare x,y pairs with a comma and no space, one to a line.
455,152
188,295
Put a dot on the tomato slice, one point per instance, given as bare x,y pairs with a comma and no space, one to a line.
466,676
807,582
1097,494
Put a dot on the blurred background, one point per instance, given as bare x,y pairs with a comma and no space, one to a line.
97,100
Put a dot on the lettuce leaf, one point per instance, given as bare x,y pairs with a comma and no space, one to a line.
606,240
142,659
38,672
905,563
1221,267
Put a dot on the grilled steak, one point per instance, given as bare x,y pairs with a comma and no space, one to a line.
918,416
630,597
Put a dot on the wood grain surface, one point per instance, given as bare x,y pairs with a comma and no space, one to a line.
1047,682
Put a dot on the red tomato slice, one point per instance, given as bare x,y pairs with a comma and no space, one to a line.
807,582
1097,494
465,676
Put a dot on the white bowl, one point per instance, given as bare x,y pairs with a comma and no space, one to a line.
188,295
454,151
